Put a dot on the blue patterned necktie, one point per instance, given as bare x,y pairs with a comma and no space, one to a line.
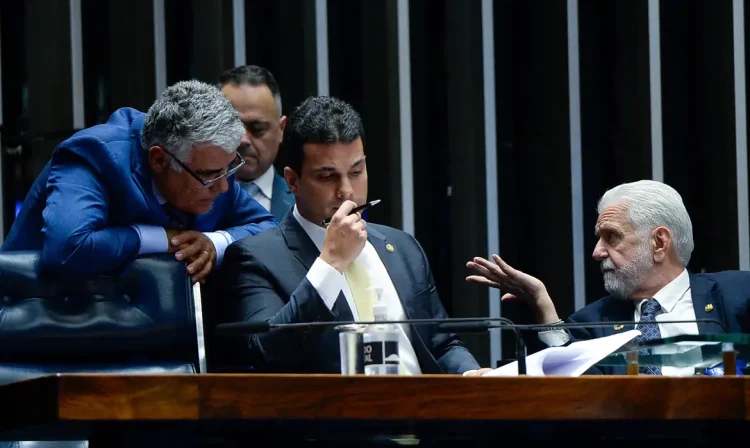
649,310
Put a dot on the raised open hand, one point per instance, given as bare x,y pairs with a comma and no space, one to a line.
518,284
502,276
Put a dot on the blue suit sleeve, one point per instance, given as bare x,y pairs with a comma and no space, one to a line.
78,242
246,217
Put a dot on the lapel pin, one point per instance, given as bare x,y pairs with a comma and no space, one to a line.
617,327
389,247
709,307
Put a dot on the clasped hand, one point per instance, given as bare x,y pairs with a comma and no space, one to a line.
195,248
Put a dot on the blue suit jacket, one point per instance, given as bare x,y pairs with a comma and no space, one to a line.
264,280
281,199
728,292
97,184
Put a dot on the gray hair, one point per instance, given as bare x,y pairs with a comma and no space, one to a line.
190,114
651,204
277,102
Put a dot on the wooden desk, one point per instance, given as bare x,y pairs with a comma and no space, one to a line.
106,408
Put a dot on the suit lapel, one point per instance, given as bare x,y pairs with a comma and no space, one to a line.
306,252
616,310
707,304
395,271
281,199
298,242
399,276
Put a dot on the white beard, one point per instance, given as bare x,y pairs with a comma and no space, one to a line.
623,281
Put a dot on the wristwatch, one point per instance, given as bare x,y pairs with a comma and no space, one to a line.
552,325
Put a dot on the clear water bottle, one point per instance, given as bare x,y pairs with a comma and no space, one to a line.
380,342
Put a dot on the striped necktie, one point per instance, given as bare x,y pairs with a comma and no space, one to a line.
649,310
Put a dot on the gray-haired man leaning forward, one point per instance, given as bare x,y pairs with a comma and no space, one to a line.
645,242
143,183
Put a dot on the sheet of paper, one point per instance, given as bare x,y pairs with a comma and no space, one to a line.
571,360
533,365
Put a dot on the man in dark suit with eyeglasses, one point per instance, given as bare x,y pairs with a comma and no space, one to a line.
140,184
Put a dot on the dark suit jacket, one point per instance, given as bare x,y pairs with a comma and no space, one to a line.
728,292
264,280
281,199
97,184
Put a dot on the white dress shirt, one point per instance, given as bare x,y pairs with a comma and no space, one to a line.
676,303
265,188
329,282
154,238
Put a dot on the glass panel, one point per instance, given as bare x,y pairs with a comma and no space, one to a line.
699,351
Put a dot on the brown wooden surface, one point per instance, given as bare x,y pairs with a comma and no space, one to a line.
217,397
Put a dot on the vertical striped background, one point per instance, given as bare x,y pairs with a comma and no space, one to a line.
493,126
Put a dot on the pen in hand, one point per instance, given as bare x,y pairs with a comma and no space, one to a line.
354,210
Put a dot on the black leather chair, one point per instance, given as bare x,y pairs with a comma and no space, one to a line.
148,320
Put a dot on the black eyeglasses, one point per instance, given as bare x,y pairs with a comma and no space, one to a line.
231,169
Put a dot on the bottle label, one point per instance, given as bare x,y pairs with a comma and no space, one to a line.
381,352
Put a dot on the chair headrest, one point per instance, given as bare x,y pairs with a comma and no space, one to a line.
149,307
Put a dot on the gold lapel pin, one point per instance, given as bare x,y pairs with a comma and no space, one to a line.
617,327
709,307
389,247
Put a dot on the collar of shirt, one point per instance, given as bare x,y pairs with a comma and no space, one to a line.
265,182
159,197
669,295
316,233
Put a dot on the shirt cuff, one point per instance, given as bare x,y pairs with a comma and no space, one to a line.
153,239
326,280
221,240
554,338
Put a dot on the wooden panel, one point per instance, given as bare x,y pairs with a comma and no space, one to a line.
363,57
533,152
452,398
133,82
220,397
699,134
615,110
89,397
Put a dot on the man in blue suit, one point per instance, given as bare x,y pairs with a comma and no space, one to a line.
303,271
254,93
645,242
143,183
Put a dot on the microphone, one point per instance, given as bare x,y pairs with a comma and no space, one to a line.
450,325
252,327
466,324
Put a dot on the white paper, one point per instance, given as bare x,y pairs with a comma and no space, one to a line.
571,360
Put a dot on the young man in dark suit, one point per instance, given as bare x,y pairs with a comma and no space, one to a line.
645,242
304,272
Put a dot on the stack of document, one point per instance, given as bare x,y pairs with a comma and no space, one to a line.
571,360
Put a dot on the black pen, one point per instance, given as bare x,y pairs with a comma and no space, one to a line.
359,208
